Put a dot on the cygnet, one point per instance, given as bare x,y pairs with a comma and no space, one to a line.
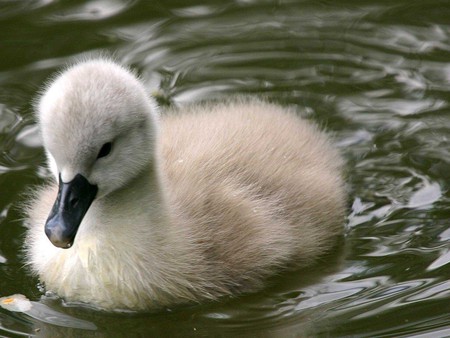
150,210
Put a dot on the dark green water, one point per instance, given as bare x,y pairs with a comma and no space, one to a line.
374,73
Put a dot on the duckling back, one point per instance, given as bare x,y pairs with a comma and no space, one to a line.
258,187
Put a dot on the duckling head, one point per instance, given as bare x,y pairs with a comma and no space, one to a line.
98,128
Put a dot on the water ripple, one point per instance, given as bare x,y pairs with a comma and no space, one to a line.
91,10
374,73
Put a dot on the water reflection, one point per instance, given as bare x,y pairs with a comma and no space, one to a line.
92,10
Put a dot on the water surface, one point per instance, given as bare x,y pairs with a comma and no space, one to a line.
376,74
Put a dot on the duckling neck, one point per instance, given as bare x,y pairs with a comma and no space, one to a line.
137,208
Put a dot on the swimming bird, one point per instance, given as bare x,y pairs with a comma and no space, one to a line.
150,210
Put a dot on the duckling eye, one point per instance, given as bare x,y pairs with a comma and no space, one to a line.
105,150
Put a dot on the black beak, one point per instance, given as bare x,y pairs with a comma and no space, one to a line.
73,201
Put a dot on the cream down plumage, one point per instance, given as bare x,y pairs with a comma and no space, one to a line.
148,211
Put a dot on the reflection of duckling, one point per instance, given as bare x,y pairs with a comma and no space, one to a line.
197,204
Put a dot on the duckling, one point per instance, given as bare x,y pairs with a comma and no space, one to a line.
148,211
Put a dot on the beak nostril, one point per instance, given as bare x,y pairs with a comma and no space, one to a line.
74,201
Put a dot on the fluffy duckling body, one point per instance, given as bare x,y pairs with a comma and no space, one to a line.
154,211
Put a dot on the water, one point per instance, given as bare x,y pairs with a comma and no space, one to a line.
374,73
